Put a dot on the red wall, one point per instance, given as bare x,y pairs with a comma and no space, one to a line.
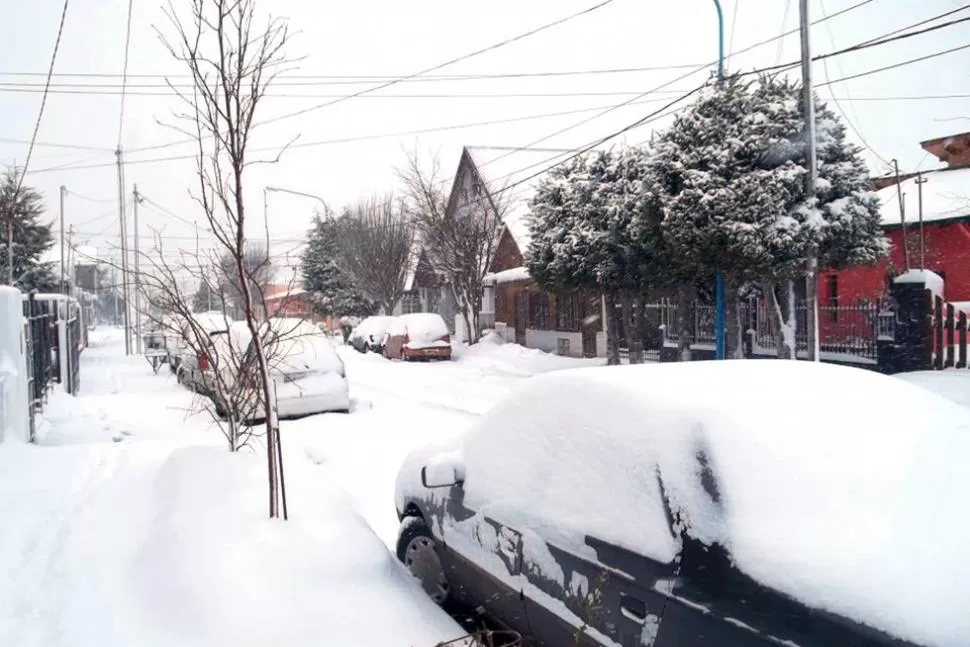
947,253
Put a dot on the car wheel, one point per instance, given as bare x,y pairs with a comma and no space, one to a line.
416,550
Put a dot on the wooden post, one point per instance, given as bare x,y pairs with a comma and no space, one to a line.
950,338
962,332
938,333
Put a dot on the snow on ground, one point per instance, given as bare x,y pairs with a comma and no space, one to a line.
953,384
403,405
129,523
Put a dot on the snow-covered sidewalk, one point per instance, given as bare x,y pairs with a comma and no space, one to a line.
130,524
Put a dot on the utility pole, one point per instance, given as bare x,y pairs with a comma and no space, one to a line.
920,181
902,215
134,210
811,164
124,247
63,266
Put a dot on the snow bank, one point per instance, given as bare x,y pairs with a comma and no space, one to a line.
953,384
214,571
933,281
840,487
420,326
493,355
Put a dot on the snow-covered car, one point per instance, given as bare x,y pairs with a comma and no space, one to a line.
369,334
420,335
196,347
710,504
308,373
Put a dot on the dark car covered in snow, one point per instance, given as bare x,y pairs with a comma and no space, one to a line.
701,504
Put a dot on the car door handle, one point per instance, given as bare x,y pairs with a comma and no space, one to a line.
633,608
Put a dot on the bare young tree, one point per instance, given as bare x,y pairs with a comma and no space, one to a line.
459,242
376,245
232,62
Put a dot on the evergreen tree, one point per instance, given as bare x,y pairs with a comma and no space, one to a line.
31,237
731,170
206,298
585,235
332,291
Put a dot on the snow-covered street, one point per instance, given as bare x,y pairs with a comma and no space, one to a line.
130,522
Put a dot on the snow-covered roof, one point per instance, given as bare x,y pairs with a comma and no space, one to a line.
946,194
507,173
508,276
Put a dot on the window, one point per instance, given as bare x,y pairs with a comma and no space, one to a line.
833,281
410,303
539,311
567,312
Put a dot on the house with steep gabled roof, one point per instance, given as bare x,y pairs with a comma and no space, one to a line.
567,324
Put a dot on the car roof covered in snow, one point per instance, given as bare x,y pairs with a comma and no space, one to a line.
841,487
419,326
300,345
376,325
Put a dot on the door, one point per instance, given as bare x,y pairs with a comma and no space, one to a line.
482,558
591,314
521,316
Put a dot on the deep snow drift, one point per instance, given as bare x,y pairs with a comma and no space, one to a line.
130,523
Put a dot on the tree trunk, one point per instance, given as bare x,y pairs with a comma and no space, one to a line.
783,314
685,320
612,332
631,325
642,324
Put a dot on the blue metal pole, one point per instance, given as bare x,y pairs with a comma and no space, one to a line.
720,306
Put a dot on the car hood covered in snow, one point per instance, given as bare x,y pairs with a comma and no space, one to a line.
841,487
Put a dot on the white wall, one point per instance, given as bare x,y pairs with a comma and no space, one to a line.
14,402
548,340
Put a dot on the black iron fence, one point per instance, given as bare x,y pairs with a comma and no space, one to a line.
41,338
849,332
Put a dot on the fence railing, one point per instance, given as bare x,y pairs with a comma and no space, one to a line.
949,332
845,330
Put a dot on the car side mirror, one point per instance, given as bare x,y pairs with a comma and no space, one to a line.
441,476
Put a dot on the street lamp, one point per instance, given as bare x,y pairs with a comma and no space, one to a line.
277,189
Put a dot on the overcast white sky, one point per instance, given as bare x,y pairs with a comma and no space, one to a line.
393,38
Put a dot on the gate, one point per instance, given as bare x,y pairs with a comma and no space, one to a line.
40,337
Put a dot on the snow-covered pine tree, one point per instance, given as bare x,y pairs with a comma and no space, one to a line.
32,238
732,170
583,235
331,290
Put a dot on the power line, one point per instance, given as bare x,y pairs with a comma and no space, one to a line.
825,68
292,80
43,101
756,45
8,140
896,65
124,75
830,82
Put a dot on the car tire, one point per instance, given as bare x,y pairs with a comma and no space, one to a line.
416,549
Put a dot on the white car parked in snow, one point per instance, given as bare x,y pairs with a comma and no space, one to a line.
308,374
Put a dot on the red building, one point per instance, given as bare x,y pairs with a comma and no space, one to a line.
941,243
288,301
